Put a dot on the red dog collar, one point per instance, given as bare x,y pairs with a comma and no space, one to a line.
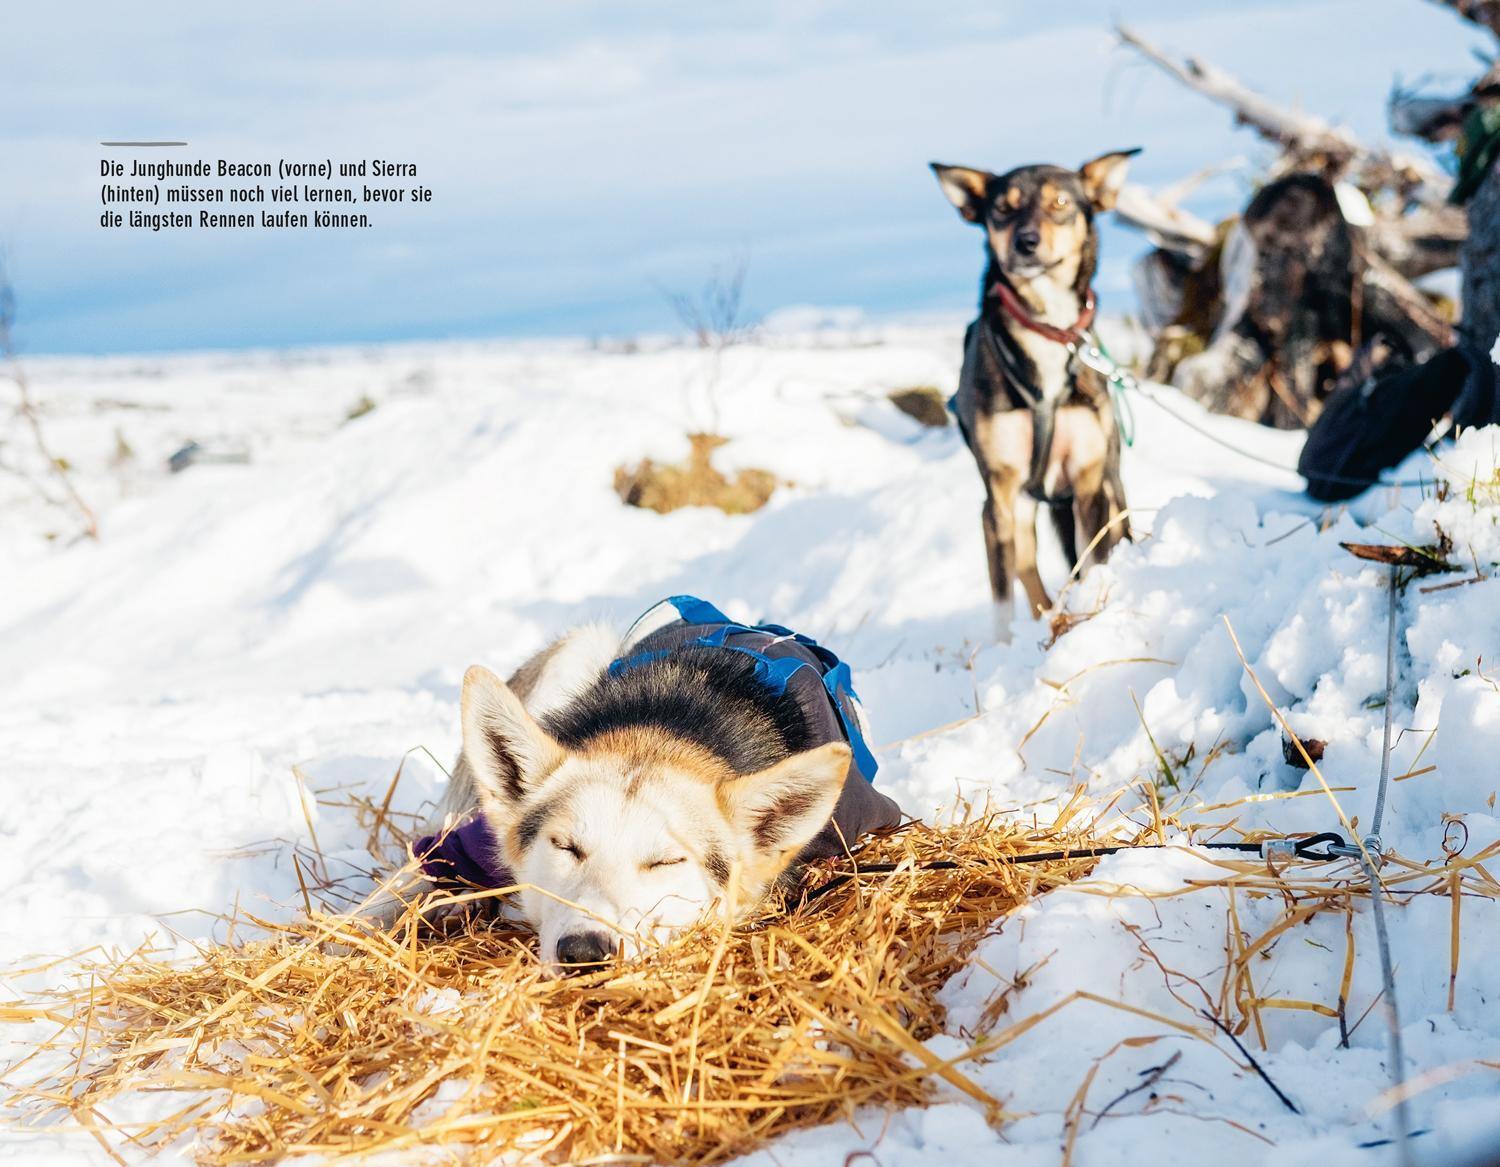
1018,312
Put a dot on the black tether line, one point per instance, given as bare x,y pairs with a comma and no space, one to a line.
1306,848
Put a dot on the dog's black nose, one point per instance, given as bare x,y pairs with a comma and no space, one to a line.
584,951
1026,240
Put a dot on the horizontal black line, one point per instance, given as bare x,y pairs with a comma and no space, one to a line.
143,143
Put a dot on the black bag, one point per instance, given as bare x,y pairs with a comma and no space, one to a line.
1367,428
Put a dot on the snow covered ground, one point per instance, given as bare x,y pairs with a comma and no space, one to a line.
315,607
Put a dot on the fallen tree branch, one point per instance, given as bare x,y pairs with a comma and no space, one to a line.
1405,311
1427,240
1301,134
1163,222
1307,141
1302,294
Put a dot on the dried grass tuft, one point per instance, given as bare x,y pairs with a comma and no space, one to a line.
664,487
324,1037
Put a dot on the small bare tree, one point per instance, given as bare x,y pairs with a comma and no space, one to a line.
25,411
715,317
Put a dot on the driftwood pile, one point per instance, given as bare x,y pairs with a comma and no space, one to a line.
1313,286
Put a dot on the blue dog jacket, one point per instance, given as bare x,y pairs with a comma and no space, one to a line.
784,661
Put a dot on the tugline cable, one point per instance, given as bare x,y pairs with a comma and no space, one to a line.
1318,848
1334,846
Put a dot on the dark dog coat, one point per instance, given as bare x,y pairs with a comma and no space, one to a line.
784,662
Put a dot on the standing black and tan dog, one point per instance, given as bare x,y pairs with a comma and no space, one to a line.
1037,420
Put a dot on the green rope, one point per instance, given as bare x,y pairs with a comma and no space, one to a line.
1118,382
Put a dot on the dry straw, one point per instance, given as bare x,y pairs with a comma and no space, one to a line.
326,1038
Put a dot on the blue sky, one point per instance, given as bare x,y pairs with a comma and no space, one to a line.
584,155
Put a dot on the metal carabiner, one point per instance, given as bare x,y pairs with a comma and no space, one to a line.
1096,358
1336,847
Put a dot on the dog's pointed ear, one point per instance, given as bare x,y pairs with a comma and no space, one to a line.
964,187
506,749
1105,175
777,811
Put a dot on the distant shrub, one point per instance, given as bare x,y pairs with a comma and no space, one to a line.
664,487
926,403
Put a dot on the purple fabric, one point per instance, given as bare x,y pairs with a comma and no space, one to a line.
467,856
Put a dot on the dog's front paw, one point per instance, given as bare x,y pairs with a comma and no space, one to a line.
1003,616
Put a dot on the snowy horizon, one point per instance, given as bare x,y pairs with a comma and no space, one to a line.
584,159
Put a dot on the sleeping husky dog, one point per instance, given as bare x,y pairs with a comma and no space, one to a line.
629,787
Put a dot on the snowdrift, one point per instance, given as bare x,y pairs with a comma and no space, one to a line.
195,708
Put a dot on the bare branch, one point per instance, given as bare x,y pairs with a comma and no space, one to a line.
1302,134
26,408
1306,140
714,314
1427,240
1485,13
1175,192
1163,222
715,317
1387,293
1433,119
1254,1065
1439,119
1149,1078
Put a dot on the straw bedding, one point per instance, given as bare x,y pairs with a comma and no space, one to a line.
322,1037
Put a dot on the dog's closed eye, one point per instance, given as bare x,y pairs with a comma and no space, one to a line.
570,847
656,863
